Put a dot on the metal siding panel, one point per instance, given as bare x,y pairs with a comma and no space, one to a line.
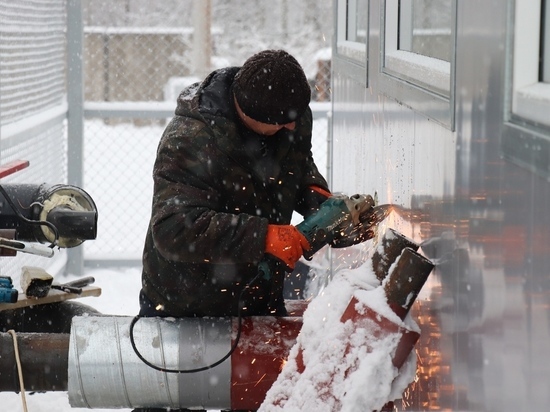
485,311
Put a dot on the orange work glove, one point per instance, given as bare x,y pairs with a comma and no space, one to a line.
286,243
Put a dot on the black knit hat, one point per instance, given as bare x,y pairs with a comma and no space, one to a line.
271,87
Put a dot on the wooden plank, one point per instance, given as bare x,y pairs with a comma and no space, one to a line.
52,297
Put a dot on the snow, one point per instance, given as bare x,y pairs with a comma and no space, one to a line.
347,368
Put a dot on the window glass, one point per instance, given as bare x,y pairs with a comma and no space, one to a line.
352,34
357,20
418,56
525,134
425,27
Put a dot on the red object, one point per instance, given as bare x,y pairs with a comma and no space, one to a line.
384,328
13,167
321,191
262,352
265,343
286,243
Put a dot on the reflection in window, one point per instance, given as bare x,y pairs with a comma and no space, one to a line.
425,27
525,134
357,12
545,42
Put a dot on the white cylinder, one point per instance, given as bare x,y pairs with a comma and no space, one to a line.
105,372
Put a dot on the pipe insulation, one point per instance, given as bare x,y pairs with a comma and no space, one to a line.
105,372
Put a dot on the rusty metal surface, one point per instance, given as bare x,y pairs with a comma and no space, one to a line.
406,279
43,360
390,247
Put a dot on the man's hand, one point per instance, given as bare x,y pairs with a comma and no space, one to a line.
285,243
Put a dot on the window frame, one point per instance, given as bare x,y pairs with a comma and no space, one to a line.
530,96
546,46
525,140
352,54
402,74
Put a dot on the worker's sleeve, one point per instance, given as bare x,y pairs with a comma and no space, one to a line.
311,199
186,222
313,187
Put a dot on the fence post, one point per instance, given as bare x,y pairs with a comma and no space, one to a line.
75,114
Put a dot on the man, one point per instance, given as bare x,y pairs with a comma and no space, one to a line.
232,166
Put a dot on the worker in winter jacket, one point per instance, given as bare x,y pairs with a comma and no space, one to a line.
232,166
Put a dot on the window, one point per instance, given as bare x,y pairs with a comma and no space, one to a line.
356,27
527,124
417,50
352,36
425,28
530,79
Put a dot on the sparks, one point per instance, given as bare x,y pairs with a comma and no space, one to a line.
259,380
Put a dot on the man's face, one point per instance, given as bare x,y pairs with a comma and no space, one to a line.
265,129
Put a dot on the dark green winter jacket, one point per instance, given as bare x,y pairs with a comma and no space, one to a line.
217,185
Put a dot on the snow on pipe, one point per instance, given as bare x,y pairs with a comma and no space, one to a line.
408,273
408,276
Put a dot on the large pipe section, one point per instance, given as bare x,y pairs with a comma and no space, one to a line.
43,360
104,371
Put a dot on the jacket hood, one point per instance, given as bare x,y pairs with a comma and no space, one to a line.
211,97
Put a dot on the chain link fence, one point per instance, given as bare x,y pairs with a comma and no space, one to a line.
138,55
32,104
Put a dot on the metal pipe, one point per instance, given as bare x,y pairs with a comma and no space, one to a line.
407,277
389,249
43,359
105,372
70,209
409,271
405,281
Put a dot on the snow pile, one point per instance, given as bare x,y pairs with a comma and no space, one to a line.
344,367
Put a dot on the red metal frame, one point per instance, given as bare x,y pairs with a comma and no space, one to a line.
12,167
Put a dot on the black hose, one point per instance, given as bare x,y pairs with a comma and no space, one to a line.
203,368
